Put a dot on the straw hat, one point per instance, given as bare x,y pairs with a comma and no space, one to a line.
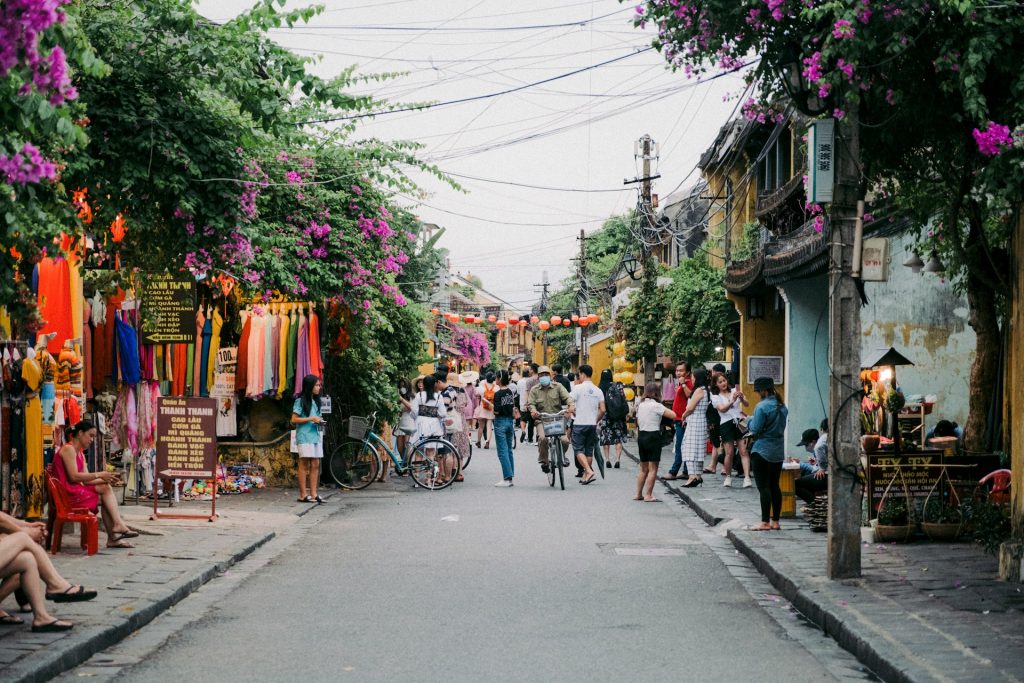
453,380
469,377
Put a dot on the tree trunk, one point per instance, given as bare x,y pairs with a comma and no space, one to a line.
984,319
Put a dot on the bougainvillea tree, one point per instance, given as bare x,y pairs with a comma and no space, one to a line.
938,97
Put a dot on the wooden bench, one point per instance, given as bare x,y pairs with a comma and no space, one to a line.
62,512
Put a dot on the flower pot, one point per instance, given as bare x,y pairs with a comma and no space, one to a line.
941,531
886,533
870,442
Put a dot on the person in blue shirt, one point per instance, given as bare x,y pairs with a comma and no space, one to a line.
767,451
307,420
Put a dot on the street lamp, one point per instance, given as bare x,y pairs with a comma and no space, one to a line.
799,89
935,265
914,263
631,265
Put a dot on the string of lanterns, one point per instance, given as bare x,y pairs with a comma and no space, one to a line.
513,321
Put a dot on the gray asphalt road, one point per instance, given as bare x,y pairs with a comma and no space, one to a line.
521,584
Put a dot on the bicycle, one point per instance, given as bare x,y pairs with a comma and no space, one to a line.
554,426
355,464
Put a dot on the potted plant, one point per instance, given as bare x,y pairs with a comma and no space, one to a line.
870,440
893,522
941,521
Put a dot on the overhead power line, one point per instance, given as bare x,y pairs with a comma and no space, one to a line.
457,29
532,187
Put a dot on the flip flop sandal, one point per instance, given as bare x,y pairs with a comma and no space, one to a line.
760,527
53,627
80,595
10,620
119,543
131,533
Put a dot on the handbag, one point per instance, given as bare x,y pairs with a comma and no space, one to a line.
741,424
407,423
453,422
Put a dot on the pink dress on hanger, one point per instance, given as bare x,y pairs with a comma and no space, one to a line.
81,495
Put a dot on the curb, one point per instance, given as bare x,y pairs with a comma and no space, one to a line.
833,625
46,665
709,519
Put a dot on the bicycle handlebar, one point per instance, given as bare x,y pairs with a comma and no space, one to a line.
560,413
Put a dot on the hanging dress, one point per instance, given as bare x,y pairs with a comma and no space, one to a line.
127,352
54,299
242,356
204,357
211,368
282,354
197,360
301,354
293,343
254,381
268,384
316,365
32,373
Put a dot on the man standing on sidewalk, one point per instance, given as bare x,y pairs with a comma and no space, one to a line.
588,409
547,397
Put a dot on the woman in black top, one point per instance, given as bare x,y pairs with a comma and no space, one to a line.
505,414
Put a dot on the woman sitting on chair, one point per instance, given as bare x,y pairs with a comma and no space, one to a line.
91,490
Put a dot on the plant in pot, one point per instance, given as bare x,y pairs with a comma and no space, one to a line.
893,523
869,440
940,520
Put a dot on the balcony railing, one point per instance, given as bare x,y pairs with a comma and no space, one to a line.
772,199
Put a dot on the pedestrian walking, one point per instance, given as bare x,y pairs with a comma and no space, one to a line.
308,436
613,424
648,421
485,410
505,414
454,426
767,452
525,419
695,437
684,388
727,400
588,409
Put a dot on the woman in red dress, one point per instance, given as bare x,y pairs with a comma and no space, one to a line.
90,490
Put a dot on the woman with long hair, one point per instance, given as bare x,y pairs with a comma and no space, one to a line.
648,441
430,411
406,424
696,436
612,430
91,490
485,410
728,400
767,429
308,419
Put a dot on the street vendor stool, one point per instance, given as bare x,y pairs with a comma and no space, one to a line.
62,512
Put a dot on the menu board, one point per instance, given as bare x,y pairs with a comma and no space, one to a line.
186,437
920,472
168,309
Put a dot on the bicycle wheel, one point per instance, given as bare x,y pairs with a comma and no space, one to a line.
558,464
354,465
466,457
434,463
553,455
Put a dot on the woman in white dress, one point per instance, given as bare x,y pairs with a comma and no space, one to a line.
429,409
728,400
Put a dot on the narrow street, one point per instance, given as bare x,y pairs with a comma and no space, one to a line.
528,583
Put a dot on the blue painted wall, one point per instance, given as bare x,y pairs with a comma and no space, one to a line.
806,369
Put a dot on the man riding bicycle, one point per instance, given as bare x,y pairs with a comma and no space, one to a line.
548,397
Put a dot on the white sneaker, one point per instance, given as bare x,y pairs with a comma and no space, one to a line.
747,483
727,482
504,483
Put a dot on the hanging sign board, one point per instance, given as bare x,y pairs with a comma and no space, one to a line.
822,163
764,366
875,260
168,310
186,437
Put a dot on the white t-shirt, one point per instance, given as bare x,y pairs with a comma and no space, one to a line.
649,414
588,399
734,413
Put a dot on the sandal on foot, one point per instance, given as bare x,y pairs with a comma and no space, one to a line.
760,527
118,542
307,499
54,626
131,533
652,500
708,471
72,594
775,526
10,620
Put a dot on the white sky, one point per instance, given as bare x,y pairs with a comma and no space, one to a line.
584,125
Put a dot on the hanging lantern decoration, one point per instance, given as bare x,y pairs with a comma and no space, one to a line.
492,318
523,323
544,324
534,319
566,322
514,320
575,318
79,201
435,311
501,324
556,320
118,228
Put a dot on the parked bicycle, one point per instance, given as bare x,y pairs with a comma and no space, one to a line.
554,430
433,462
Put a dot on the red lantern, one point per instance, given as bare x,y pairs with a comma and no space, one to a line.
534,319
118,228
575,318
556,320
435,311
544,324
501,324
566,322
492,318
513,320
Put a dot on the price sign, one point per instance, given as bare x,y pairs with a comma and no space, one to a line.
186,437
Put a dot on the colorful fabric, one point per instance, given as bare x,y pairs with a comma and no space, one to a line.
54,299
127,352
268,384
242,364
254,382
204,358
32,373
301,354
316,364
211,366
282,354
293,342
197,361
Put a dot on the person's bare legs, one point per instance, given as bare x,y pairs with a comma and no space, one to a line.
618,452
727,463
607,452
314,475
22,563
652,476
584,462
641,480
55,583
111,514
745,460
303,471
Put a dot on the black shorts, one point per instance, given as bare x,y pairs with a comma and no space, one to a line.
729,432
584,439
649,445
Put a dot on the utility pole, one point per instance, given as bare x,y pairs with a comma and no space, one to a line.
581,297
543,309
649,284
844,489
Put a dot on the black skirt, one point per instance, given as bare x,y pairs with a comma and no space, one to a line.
649,445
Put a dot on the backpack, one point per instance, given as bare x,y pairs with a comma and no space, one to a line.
615,402
489,395
713,417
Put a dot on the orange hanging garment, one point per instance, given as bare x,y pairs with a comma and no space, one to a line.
54,300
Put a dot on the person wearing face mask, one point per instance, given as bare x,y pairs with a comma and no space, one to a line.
406,423
548,397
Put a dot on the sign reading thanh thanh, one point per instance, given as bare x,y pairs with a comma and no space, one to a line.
168,309
186,437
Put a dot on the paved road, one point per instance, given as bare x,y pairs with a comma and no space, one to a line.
527,583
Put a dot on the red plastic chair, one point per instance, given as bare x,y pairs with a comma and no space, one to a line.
61,512
998,485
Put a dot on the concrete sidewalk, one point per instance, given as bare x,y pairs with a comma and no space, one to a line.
171,559
922,611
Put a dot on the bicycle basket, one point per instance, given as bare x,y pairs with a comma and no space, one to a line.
554,428
357,427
